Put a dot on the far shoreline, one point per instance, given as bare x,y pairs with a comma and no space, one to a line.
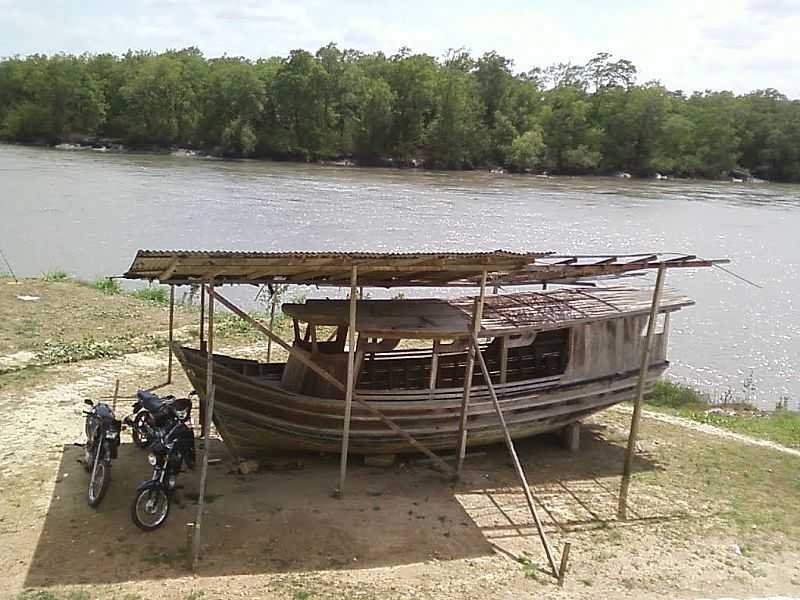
113,147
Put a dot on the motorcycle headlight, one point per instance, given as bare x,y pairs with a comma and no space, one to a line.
111,434
152,459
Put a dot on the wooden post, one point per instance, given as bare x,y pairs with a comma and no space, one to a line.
209,401
274,301
434,368
116,395
503,363
512,451
202,317
622,509
351,356
171,335
461,449
562,571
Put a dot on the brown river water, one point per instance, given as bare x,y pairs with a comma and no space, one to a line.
88,212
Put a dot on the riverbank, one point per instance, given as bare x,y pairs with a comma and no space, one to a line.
780,425
712,516
101,145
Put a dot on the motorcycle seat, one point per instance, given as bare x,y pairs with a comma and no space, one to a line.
150,402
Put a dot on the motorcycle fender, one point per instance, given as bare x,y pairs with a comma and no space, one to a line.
150,484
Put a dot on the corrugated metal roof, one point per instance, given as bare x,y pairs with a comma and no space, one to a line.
387,269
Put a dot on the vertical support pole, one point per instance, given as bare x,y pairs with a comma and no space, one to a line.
434,368
171,328
274,301
202,316
514,458
116,395
348,399
209,401
647,347
503,363
477,315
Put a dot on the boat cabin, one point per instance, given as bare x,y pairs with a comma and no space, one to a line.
555,336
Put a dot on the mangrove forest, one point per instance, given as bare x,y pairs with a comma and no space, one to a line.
451,112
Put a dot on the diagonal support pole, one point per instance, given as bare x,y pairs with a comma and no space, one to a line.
647,348
513,452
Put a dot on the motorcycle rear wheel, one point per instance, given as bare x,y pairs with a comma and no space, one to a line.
150,508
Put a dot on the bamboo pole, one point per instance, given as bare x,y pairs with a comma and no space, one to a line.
209,401
327,376
171,331
274,301
348,398
477,315
202,316
116,395
512,451
647,347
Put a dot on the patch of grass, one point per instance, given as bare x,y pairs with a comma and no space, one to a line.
673,395
107,285
157,294
49,353
302,595
779,426
53,276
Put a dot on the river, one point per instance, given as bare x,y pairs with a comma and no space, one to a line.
88,212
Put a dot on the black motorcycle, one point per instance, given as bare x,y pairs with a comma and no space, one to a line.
172,446
142,421
102,443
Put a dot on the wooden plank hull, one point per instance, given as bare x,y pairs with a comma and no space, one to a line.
256,417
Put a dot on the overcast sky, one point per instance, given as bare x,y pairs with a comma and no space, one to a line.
738,45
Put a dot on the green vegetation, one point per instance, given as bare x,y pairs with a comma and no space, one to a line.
107,285
153,293
780,426
454,112
57,275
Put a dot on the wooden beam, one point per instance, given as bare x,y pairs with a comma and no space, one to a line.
327,376
209,401
514,458
647,347
348,398
477,315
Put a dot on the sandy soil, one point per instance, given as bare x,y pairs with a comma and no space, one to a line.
400,532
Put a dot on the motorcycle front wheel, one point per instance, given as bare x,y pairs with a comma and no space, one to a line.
100,478
150,508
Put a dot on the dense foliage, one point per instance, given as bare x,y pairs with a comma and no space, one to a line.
454,112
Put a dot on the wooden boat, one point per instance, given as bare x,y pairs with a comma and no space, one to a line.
554,358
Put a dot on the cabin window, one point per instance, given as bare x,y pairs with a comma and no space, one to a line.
545,356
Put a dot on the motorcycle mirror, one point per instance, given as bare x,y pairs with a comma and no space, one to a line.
88,402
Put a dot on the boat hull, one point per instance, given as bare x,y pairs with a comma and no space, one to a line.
256,417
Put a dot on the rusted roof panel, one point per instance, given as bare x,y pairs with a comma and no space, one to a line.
390,269
504,313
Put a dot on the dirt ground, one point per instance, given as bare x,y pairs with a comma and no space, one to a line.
710,516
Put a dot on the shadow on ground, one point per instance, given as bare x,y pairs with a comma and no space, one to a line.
286,520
